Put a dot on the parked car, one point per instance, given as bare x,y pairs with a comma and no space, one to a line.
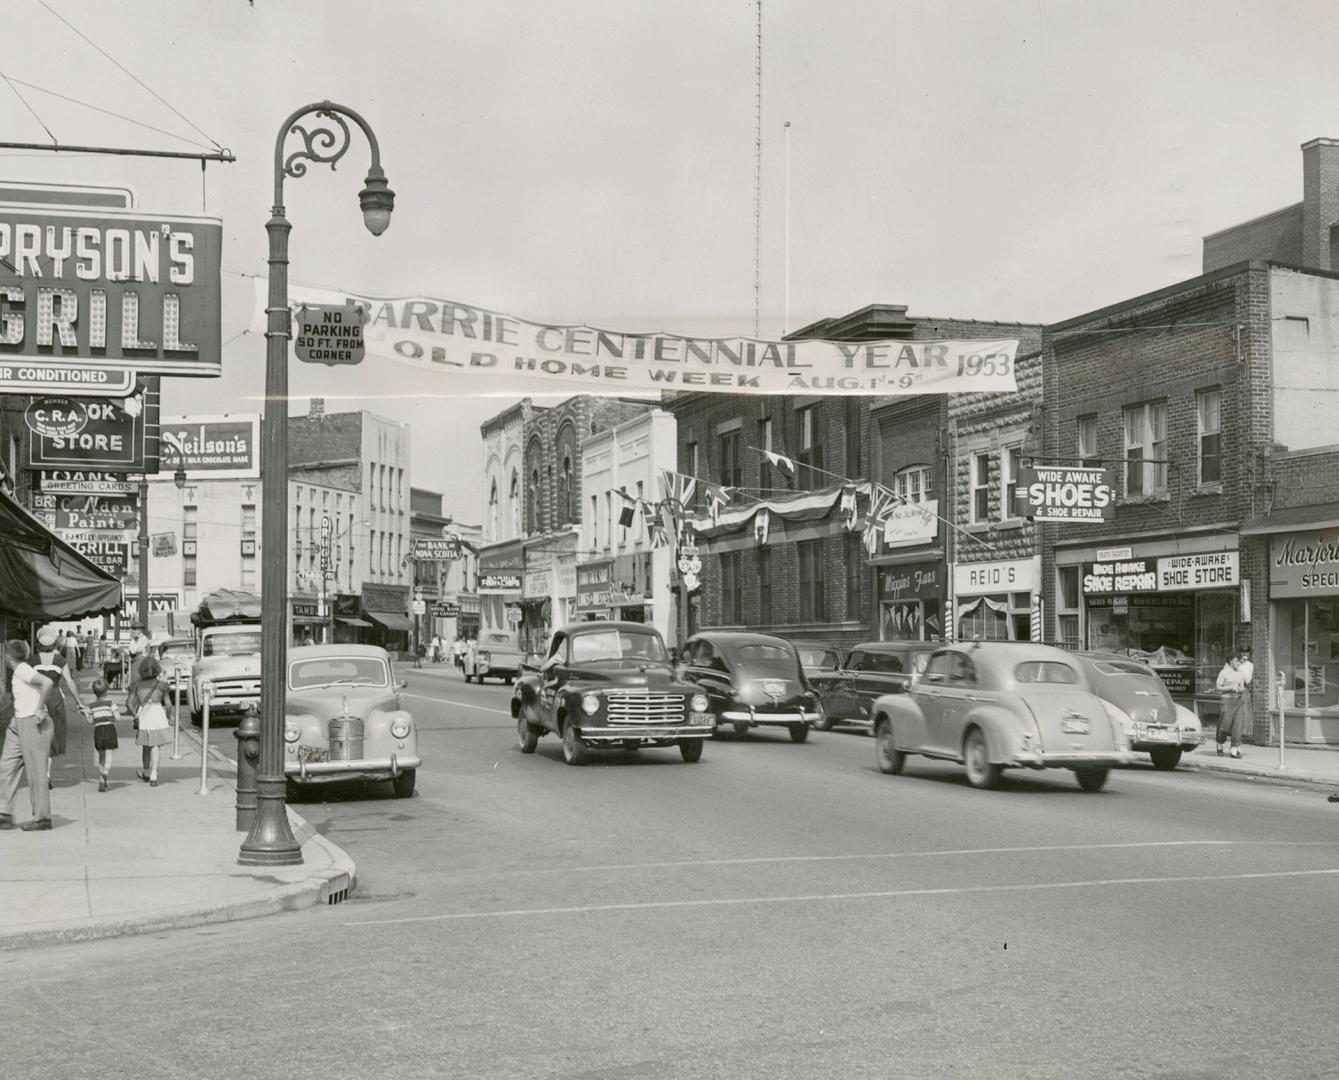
1154,724
496,656
752,680
609,684
871,670
177,656
817,656
345,719
997,705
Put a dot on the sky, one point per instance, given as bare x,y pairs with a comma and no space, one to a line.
594,161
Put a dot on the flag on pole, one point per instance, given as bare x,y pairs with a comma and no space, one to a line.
849,511
762,521
780,461
677,487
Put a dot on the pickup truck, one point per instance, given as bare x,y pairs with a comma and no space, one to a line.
609,685
496,656
227,665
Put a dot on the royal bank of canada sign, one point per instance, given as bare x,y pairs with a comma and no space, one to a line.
90,298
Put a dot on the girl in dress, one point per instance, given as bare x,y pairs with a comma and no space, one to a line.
145,702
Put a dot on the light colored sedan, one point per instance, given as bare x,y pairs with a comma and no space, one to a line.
997,705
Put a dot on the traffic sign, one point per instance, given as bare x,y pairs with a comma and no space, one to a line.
330,334
420,606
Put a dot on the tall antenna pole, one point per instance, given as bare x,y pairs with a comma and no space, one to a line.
757,176
785,322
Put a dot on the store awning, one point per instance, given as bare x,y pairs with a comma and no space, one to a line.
42,577
1294,519
363,623
392,621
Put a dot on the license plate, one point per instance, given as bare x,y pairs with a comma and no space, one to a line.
773,687
1075,726
1159,735
313,753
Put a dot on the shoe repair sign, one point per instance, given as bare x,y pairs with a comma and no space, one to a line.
1065,493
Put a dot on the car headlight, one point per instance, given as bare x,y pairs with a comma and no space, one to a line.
400,727
590,704
484,657
699,703
291,732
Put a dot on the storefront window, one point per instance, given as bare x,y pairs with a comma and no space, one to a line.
1186,637
1306,653
1005,617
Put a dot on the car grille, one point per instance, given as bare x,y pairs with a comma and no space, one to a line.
642,707
346,738
235,687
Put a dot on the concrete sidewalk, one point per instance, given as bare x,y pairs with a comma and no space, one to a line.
136,859
1301,764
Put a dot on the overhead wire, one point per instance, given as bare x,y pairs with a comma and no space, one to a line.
108,112
28,106
128,72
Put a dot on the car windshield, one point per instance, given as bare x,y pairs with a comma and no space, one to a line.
814,657
496,639
617,645
177,648
1045,671
773,659
345,670
231,644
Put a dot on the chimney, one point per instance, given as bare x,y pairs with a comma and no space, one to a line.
1320,200
316,409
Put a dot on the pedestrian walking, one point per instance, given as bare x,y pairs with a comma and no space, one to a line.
458,649
1231,684
27,743
52,663
102,715
71,649
436,648
145,702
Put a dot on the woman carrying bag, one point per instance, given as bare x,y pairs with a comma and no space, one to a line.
145,702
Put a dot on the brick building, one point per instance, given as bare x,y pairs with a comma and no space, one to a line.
813,578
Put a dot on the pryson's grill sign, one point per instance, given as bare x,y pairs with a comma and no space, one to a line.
1304,564
86,291
220,446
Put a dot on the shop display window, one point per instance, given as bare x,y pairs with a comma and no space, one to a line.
1306,653
1005,617
1185,637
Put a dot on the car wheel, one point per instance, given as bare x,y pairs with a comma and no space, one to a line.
741,729
798,732
981,771
574,750
404,783
825,724
1092,779
891,759
1165,757
691,749
527,738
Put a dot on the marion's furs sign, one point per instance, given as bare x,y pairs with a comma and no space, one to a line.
1065,493
473,347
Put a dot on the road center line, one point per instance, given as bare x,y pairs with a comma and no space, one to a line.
828,898
453,701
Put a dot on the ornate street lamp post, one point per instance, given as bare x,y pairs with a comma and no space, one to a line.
324,141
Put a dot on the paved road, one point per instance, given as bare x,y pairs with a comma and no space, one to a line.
775,910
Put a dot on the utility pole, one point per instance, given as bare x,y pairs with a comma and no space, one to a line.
143,618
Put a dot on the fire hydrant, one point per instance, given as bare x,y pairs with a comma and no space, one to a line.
248,764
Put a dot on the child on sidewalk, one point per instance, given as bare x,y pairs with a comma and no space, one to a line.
102,715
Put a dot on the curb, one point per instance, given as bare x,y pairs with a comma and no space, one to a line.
1260,772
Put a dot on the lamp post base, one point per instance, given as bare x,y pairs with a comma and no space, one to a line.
270,842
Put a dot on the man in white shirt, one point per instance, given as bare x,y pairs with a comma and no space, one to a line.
28,743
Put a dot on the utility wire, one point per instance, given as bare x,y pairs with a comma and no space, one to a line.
28,106
104,52
108,112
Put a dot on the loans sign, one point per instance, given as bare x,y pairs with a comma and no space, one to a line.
1065,493
107,290
465,342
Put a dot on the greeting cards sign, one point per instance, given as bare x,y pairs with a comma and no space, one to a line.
464,341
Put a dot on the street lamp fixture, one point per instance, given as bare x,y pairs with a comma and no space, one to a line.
324,130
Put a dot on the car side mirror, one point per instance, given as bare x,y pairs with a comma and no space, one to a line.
550,663
402,684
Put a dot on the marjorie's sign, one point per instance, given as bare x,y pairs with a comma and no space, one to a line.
90,433
1304,564
109,288
465,340
1171,573
224,447
1065,493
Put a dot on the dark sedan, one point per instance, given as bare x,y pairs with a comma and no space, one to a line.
871,670
752,680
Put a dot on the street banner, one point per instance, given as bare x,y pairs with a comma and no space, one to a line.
467,343
221,447
1066,493
97,294
89,433
81,482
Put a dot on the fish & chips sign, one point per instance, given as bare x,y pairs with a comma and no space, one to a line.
1065,493
464,341
88,298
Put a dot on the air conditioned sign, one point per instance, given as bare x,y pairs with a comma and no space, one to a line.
108,291
1065,493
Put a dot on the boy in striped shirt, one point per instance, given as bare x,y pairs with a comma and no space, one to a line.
102,715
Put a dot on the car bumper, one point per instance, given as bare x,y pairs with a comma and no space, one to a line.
769,716
231,704
647,731
1146,739
1079,759
368,768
